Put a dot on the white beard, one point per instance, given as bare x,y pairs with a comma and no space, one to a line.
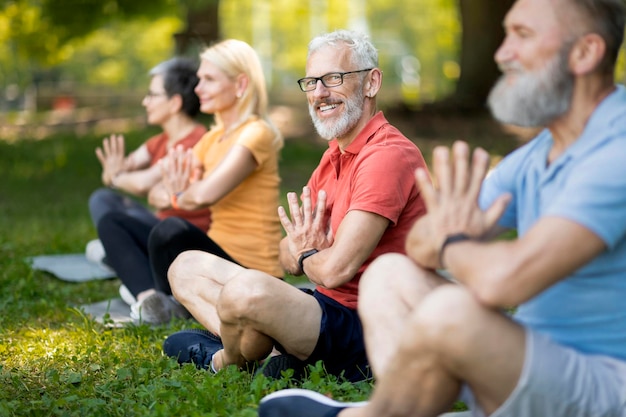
339,126
534,99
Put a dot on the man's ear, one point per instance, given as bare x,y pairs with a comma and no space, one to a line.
373,82
587,54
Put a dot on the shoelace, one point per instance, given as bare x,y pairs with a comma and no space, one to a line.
199,356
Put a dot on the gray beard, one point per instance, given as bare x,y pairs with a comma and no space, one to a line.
534,99
330,129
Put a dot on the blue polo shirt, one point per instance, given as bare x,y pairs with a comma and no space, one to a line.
586,185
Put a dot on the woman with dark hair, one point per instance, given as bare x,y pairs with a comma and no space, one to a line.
236,175
172,104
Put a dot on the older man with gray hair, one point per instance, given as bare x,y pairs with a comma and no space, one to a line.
563,353
359,203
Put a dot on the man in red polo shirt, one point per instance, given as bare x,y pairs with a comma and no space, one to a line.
359,203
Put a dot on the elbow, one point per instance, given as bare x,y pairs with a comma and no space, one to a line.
198,200
495,289
334,277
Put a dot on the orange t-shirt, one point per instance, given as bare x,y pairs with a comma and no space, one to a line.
245,221
157,148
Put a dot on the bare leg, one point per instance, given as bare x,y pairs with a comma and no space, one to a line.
257,309
197,279
448,339
389,290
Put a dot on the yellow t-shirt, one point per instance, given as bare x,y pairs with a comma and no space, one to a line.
245,222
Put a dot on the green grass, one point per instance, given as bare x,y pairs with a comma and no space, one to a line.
54,361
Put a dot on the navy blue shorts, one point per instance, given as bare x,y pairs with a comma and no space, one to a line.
340,345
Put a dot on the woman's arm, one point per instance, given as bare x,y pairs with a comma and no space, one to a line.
126,173
236,166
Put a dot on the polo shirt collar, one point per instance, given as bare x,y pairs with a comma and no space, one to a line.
603,119
364,135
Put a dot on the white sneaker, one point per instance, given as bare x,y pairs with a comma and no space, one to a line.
94,252
127,296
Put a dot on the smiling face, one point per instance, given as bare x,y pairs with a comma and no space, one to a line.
335,111
536,86
156,102
216,91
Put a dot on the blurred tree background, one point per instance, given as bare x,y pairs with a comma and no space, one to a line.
95,54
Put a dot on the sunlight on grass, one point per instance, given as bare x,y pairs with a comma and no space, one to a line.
56,361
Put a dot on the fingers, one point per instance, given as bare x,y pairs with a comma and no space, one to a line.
306,205
100,156
460,172
320,211
442,169
284,220
294,208
480,167
496,210
106,146
118,144
426,189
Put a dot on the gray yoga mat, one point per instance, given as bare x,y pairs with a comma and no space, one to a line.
112,313
73,267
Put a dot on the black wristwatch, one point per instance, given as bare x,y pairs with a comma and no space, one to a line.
304,256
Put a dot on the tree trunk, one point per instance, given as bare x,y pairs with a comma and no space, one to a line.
202,28
482,34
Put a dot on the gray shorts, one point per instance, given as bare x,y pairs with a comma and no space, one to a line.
558,381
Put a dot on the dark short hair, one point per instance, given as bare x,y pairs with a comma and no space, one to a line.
179,77
607,19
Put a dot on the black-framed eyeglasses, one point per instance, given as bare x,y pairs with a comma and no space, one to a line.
332,79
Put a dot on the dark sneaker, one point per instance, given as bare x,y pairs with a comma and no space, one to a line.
301,403
195,346
274,367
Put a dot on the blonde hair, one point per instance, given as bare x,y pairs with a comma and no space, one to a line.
235,57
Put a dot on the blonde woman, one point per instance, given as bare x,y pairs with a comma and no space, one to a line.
236,166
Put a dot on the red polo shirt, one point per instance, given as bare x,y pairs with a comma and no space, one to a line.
374,174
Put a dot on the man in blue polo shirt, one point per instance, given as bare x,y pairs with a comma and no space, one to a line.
563,353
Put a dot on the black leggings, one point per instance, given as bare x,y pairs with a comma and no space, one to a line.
141,255
170,238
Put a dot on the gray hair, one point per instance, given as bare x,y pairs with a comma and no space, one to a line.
364,54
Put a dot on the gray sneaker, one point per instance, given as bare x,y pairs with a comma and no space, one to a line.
158,308
154,309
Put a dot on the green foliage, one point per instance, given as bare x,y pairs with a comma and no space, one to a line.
55,361
121,54
72,19
405,31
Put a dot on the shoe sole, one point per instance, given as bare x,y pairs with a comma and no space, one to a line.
313,396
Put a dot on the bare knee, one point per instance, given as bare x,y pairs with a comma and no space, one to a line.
392,278
446,319
185,268
379,270
244,296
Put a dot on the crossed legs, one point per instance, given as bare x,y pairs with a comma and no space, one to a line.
249,309
426,337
